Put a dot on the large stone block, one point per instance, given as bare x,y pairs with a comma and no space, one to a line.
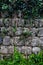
17,41
4,50
40,32
41,23
34,31
6,40
26,50
41,41
19,31
36,50
11,49
10,31
35,41
7,22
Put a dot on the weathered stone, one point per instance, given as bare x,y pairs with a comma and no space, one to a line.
17,41
41,23
4,50
34,31
12,34
27,42
7,22
26,50
35,41
41,41
40,32
11,49
10,31
6,40
36,50
19,31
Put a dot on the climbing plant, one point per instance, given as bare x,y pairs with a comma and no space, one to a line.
28,8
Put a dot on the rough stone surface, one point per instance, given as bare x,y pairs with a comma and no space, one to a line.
19,31
4,49
41,41
40,32
6,40
26,50
10,49
36,50
11,35
35,41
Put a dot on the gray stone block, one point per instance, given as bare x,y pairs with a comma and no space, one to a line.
35,41
41,23
26,50
7,22
34,31
41,41
19,31
11,49
4,50
6,40
17,41
36,50
40,32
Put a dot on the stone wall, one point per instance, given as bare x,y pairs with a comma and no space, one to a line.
25,35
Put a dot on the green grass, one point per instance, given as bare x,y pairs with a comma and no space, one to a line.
18,59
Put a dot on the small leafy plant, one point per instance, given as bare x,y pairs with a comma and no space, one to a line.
14,29
4,31
4,7
27,33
